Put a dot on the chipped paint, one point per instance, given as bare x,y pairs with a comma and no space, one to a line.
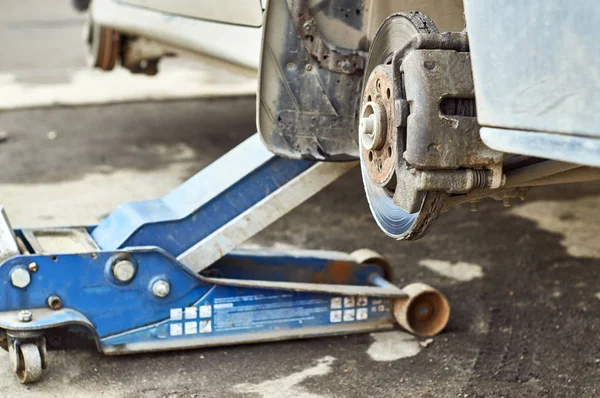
289,386
459,271
391,346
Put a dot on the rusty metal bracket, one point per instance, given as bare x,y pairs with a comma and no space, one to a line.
439,136
442,130
329,56
434,75
424,41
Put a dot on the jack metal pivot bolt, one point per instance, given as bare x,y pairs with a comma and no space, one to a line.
161,288
20,278
123,271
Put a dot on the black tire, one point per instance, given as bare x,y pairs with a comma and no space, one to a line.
81,5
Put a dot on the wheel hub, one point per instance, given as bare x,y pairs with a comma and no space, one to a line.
378,138
381,135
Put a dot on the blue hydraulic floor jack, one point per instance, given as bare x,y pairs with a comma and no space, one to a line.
163,274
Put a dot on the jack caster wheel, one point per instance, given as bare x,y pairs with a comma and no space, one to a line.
368,256
425,312
27,361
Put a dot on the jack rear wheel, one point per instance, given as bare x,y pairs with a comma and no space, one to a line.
368,256
27,360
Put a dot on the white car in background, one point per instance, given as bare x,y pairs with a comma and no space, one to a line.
137,33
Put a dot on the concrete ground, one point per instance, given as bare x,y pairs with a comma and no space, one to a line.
523,282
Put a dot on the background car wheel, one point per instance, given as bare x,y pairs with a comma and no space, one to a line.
81,5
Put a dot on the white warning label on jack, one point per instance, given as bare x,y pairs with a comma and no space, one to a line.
176,314
336,303
348,302
362,314
335,316
205,310
350,309
246,312
175,329
206,326
191,312
349,315
191,327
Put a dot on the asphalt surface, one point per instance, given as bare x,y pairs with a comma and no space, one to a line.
40,42
522,282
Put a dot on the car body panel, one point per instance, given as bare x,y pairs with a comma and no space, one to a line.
236,44
537,82
237,12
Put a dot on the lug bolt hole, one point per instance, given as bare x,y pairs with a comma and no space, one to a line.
370,156
378,85
388,93
389,151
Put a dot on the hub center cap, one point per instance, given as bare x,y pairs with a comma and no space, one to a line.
371,131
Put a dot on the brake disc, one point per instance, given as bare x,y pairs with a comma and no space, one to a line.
381,147
104,46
